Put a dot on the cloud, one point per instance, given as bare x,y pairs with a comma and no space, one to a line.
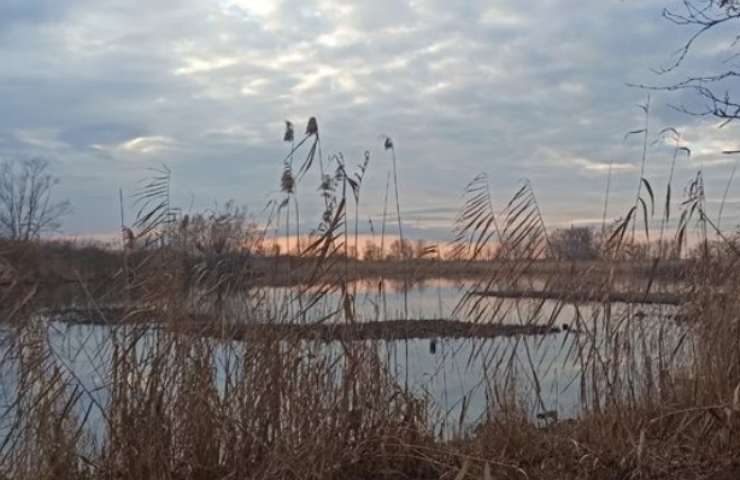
530,89
496,16
195,65
603,167
141,145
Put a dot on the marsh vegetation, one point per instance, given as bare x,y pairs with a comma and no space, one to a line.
219,345
191,352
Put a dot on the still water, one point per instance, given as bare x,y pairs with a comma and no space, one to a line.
460,378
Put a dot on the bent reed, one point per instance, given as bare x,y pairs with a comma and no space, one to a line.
135,398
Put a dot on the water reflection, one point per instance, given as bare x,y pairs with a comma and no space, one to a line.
461,378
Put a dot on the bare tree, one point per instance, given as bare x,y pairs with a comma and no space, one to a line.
574,243
224,230
714,88
26,207
372,252
401,249
420,249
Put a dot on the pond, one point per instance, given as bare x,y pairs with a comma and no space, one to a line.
460,378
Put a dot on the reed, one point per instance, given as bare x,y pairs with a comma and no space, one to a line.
165,388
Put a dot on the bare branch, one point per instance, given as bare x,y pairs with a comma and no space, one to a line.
26,207
704,16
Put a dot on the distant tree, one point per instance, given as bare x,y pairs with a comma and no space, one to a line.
224,230
419,248
401,250
666,249
490,252
26,207
422,249
637,251
574,243
722,250
372,252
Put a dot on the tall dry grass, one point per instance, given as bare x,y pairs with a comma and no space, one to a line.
143,395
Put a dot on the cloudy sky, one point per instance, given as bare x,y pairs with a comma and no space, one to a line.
529,88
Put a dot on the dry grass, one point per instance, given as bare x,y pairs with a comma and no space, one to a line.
659,399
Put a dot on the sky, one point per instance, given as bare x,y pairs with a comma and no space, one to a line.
536,89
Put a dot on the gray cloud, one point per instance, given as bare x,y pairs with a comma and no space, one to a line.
533,88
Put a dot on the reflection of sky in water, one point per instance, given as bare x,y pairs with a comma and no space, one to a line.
434,298
456,373
469,370
430,298
461,371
